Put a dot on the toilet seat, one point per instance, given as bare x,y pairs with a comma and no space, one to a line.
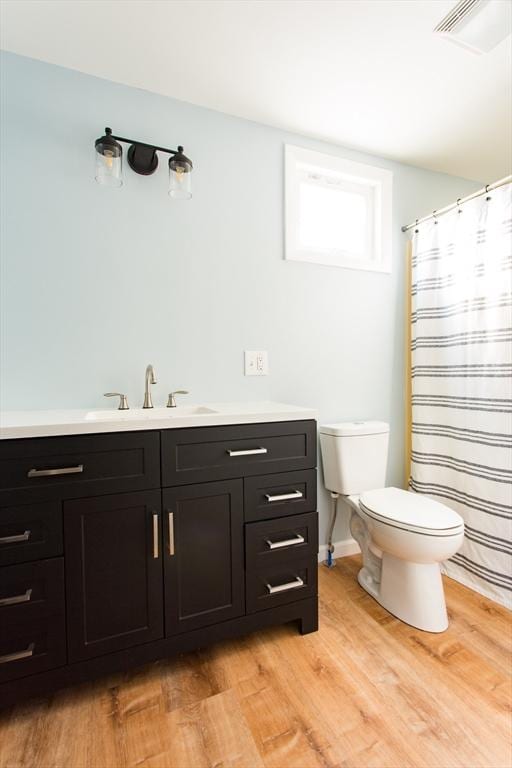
411,512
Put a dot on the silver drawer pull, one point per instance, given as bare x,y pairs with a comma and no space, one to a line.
24,598
18,655
18,537
297,539
52,472
284,496
249,452
283,587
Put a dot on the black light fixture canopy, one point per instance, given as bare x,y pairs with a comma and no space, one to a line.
143,159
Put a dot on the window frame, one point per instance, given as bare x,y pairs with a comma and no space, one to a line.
377,181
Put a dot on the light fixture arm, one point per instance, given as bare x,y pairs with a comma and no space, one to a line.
143,144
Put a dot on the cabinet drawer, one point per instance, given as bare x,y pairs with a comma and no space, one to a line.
70,467
207,453
31,591
280,583
27,648
277,541
30,532
286,493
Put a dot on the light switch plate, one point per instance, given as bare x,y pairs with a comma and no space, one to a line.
256,363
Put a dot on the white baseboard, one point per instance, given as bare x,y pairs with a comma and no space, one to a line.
342,548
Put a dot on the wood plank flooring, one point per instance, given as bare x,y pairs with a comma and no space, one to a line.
366,690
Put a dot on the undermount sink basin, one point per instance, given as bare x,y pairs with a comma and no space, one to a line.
149,413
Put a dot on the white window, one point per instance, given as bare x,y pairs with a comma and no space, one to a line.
338,212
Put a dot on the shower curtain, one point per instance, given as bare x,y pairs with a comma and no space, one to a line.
461,381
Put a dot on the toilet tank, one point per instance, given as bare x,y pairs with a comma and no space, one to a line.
354,456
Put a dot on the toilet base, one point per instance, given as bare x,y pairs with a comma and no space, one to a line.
413,592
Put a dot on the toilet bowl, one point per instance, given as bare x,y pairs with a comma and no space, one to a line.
403,536
409,535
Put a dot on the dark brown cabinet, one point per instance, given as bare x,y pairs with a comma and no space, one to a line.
203,564
30,532
288,493
123,548
27,648
205,453
112,546
32,591
74,467
32,633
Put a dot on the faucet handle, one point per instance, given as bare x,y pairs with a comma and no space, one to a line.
171,402
123,400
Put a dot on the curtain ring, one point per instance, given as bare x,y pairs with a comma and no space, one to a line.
416,225
434,214
487,193
459,209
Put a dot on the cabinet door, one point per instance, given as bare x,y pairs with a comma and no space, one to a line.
114,586
203,566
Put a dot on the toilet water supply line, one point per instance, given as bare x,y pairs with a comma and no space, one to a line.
330,562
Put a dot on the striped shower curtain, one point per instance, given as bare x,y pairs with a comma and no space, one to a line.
461,382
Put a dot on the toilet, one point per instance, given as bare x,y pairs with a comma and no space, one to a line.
403,535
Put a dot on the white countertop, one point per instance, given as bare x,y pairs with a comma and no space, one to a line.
80,422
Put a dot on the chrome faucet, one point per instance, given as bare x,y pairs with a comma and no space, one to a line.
150,379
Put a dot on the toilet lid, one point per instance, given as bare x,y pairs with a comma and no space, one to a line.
412,511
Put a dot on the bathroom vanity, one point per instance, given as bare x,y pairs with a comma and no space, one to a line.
127,539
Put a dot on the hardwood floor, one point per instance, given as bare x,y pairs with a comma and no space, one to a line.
366,690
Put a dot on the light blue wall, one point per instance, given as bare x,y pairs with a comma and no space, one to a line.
99,282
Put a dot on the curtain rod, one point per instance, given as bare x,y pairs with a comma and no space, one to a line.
435,214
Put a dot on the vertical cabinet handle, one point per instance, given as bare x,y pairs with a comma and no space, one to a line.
155,535
171,533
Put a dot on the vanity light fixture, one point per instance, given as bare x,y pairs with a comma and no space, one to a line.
143,159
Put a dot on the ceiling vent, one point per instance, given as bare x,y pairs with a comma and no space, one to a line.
477,25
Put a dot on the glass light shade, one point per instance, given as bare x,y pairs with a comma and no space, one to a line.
109,162
180,185
180,172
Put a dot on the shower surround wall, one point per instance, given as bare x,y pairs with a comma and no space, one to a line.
96,283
